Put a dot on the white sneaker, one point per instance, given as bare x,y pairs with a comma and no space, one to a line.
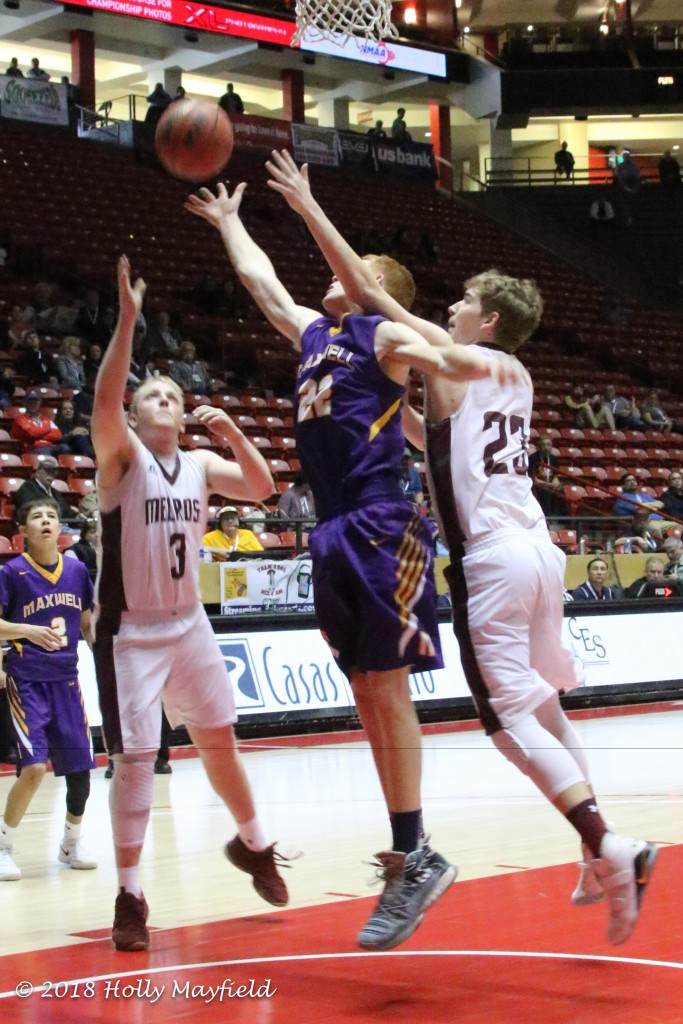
589,888
9,872
624,869
75,855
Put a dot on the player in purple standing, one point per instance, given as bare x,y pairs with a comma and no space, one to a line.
372,551
45,607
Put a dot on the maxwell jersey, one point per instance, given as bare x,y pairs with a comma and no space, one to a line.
477,462
44,596
150,540
348,416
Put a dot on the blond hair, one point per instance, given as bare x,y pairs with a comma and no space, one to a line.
397,280
133,407
517,302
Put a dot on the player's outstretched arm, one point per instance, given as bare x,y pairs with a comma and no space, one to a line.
110,435
248,476
253,267
359,282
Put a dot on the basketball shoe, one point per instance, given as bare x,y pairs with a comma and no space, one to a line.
624,869
589,889
9,871
130,933
74,854
412,883
263,866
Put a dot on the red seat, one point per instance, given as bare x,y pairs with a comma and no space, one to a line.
75,462
595,454
278,465
281,403
572,434
567,540
77,485
598,500
66,540
10,484
615,454
18,542
195,441
594,472
226,402
573,495
270,421
282,442
614,473
9,461
660,473
269,540
571,454
634,436
593,434
613,435
571,471
636,453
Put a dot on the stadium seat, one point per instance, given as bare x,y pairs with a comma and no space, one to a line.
8,461
66,540
269,540
77,485
566,539
17,541
76,462
574,494
10,484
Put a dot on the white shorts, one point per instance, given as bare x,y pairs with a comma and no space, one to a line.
176,661
507,611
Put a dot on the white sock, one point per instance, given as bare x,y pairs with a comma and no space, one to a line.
72,832
252,835
6,835
128,880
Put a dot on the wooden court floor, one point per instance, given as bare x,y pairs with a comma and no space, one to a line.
503,945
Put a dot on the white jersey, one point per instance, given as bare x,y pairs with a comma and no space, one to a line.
477,463
150,540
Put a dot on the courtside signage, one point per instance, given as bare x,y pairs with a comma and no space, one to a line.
225,21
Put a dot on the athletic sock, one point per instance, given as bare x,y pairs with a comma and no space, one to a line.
6,834
589,823
128,880
406,827
72,832
252,835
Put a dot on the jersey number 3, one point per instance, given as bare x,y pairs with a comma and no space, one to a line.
177,543
498,421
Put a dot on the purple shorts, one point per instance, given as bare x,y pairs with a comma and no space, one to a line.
50,721
373,586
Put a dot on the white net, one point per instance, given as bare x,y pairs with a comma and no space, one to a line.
337,20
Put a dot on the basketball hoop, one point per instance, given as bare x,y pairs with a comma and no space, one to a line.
339,20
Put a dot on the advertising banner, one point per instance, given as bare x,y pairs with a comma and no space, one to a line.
314,145
265,586
31,99
261,134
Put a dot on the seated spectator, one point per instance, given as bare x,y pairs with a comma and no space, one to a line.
624,410
229,537
410,481
14,71
631,497
35,71
89,323
16,327
642,537
673,549
189,373
602,214
377,132
32,362
6,386
39,485
85,549
70,364
655,417
594,589
36,432
91,365
75,439
672,497
89,506
297,502
589,412
163,338
543,466
653,584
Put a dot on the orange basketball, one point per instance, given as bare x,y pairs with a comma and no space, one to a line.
194,139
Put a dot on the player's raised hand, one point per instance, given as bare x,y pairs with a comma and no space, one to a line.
45,637
214,208
218,421
130,295
290,181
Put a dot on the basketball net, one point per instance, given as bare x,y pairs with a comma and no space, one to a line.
339,20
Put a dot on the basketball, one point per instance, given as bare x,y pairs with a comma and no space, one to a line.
194,139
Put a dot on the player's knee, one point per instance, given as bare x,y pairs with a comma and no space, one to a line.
33,774
513,749
77,792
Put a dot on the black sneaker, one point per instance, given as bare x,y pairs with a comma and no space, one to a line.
130,933
413,882
109,770
162,767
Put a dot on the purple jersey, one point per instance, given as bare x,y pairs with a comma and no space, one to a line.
348,412
56,597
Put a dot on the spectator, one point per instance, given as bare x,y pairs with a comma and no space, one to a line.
602,214
18,324
229,537
627,175
589,412
653,584
564,162
672,497
624,410
641,538
543,466
70,364
75,439
85,549
91,365
37,366
40,486
594,589
36,432
410,481
163,338
669,170
673,549
6,386
631,497
655,418
35,71
231,101
14,71
399,131
297,501
378,131
188,373
88,323
89,506
158,100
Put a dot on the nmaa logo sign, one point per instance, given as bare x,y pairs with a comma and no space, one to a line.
379,51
